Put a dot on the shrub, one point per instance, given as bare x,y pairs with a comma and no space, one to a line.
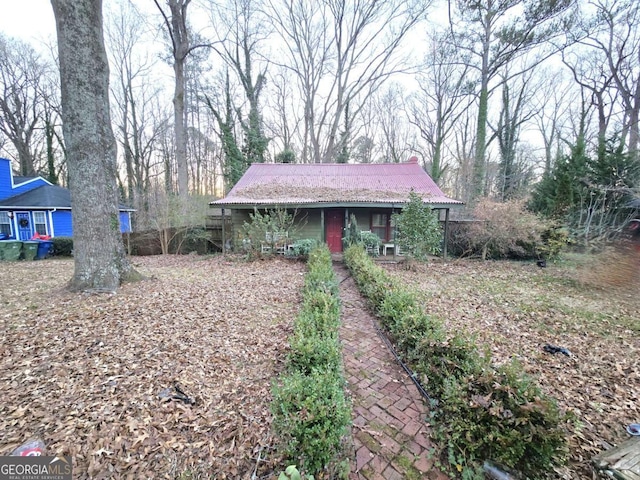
371,242
554,240
419,233
482,411
62,246
504,230
351,233
266,229
302,248
311,413
311,353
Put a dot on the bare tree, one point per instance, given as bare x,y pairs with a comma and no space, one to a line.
238,46
591,75
444,93
99,255
617,37
22,73
393,124
553,111
182,44
517,109
491,34
340,52
462,153
139,124
283,124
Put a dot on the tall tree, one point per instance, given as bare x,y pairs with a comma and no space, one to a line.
491,34
593,78
235,163
517,109
340,52
138,123
22,74
99,255
239,42
182,44
392,123
443,95
552,112
617,37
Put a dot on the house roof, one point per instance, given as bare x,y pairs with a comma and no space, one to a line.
44,197
18,180
321,184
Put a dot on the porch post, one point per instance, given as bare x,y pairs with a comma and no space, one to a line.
446,234
345,225
223,233
323,235
395,245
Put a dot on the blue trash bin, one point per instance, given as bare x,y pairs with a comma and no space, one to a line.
44,248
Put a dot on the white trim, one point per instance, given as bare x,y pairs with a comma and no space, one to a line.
35,223
34,179
50,212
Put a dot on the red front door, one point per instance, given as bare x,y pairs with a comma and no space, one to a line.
335,221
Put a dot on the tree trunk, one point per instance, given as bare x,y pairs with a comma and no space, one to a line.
180,38
99,255
181,137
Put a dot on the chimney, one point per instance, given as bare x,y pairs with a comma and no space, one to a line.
413,159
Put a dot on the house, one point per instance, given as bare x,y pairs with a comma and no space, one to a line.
32,205
323,196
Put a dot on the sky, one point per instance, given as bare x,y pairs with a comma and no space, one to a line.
30,20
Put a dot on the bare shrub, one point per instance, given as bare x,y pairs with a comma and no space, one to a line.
504,230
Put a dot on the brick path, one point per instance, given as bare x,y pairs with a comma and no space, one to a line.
390,436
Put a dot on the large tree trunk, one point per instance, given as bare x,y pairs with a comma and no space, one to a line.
100,260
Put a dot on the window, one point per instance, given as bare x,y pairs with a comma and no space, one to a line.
380,225
40,222
5,224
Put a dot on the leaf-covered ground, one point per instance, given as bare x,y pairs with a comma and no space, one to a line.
86,373
515,309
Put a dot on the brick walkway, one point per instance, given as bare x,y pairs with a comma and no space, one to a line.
390,436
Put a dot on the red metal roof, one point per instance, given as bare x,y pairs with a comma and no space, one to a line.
291,184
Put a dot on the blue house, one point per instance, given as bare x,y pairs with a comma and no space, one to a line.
32,205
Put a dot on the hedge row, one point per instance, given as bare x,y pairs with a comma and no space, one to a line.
311,412
482,412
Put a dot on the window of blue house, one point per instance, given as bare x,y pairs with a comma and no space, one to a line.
40,222
5,224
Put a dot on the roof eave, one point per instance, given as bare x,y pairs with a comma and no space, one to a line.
312,205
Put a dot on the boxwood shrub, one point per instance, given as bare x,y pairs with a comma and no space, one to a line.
481,412
311,412
62,246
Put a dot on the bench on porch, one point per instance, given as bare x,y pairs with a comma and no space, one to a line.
392,246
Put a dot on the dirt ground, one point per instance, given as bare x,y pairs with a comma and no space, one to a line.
94,375
516,308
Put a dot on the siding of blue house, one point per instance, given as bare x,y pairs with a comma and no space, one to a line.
7,189
62,223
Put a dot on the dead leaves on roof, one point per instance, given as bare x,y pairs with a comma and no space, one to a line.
286,192
85,372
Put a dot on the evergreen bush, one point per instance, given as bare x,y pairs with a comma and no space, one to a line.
311,412
482,412
62,246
